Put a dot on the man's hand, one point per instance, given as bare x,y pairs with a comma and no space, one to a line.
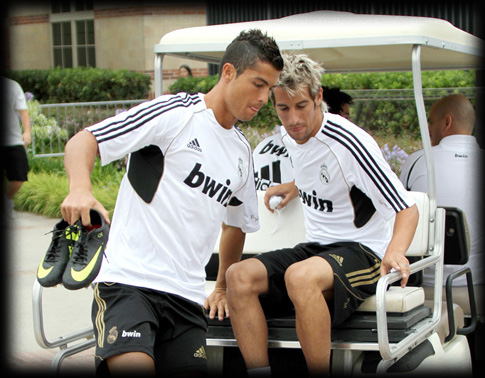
78,204
216,303
288,191
27,138
397,261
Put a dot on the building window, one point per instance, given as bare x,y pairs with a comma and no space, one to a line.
73,34
62,44
85,43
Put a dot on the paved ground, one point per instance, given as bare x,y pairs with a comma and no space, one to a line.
64,311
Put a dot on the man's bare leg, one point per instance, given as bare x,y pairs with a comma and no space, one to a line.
306,282
133,363
245,281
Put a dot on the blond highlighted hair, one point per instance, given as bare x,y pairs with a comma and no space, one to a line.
300,73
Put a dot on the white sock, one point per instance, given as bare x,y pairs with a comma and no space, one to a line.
259,372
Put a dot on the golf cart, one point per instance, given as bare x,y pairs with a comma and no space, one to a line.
397,330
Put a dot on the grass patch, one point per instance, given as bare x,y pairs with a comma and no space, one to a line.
47,186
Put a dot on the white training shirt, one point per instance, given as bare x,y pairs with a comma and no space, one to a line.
207,179
343,162
272,164
13,101
457,161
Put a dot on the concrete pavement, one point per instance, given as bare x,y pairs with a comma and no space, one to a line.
64,311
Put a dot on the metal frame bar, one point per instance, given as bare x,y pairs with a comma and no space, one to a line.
62,341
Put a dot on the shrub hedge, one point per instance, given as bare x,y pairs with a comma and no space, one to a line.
82,84
396,118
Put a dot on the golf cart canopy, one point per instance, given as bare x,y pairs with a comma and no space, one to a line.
341,41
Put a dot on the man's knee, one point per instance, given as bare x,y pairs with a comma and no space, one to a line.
245,277
307,277
238,276
297,279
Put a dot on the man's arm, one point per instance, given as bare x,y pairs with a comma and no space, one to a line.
230,251
25,119
403,234
80,154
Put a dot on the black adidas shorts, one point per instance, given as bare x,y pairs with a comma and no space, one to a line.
14,162
169,328
356,269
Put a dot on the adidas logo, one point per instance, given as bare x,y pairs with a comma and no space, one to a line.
337,258
200,353
194,144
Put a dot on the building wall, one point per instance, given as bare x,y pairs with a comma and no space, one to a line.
125,34
29,38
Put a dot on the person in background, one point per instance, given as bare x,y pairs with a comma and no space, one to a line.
185,71
15,165
458,163
338,102
272,163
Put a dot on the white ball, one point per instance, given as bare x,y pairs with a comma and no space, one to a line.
274,201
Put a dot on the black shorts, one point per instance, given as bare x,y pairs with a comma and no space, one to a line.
356,269
170,329
14,162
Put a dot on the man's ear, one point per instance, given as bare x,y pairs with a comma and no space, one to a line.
448,124
228,71
319,98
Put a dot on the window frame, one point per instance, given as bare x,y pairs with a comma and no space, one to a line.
73,18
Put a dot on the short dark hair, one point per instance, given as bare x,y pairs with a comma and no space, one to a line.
335,99
250,47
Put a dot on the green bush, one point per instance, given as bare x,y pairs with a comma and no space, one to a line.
46,132
193,84
379,115
82,84
47,186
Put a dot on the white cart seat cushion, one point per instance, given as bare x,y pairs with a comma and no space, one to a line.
397,300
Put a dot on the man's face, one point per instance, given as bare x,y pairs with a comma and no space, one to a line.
249,91
345,110
300,114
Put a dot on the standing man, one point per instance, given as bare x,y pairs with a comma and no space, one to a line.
349,194
190,170
15,165
458,163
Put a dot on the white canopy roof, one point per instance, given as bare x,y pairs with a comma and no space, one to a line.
341,41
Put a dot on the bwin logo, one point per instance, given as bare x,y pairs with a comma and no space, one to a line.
130,334
210,187
311,200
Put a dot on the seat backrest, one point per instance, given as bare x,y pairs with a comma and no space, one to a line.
419,245
282,229
457,237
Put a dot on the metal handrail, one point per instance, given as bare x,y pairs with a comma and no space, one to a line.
392,352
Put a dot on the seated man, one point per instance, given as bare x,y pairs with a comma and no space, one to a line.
349,194
457,158
272,163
